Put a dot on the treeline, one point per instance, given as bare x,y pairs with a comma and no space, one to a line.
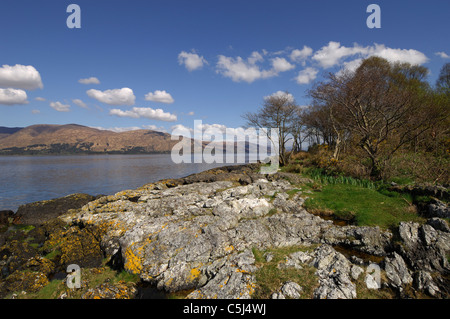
381,120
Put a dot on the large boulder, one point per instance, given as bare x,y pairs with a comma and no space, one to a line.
424,247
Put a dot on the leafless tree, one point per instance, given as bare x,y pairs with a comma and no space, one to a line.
277,111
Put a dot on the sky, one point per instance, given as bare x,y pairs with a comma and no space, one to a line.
164,64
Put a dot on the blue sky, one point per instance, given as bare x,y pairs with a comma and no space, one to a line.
164,64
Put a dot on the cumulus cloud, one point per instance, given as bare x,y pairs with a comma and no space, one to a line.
13,96
238,70
192,61
19,76
58,106
145,112
280,94
159,96
281,65
123,96
91,80
35,111
301,55
398,55
443,55
306,76
334,53
248,70
80,103
331,54
41,99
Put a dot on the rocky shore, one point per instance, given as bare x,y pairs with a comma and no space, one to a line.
201,237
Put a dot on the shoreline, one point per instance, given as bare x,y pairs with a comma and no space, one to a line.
36,178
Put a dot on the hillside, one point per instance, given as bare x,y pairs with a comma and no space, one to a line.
77,139
73,139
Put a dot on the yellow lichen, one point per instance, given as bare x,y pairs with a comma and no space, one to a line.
133,262
195,273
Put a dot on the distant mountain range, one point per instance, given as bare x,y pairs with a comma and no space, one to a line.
77,139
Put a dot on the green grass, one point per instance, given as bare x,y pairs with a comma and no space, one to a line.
269,278
371,208
319,175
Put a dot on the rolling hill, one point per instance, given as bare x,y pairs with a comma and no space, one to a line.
49,139
78,139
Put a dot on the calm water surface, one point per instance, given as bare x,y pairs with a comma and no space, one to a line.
26,179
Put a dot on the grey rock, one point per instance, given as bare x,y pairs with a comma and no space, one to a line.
198,234
291,290
439,224
397,271
424,282
424,247
334,274
438,209
356,271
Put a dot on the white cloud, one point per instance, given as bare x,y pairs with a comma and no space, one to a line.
123,96
240,70
333,54
145,112
280,94
13,96
443,55
159,96
352,65
58,106
91,80
191,113
181,130
35,111
306,76
398,55
41,99
80,103
192,61
281,65
256,57
20,77
301,55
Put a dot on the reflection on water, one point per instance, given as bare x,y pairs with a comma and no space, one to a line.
26,179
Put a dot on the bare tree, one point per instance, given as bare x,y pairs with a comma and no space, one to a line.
278,111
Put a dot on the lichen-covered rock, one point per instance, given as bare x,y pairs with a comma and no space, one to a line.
14,255
232,280
28,281
289,290
197,234
75,245
120,290
333,270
